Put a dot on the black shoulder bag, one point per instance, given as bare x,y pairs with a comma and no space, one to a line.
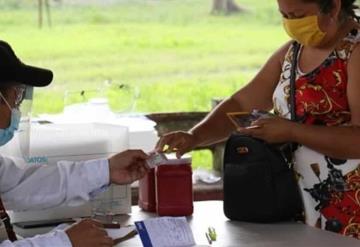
259,182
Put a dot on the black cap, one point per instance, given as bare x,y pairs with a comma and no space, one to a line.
12,70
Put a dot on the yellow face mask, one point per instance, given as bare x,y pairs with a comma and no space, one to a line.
305,30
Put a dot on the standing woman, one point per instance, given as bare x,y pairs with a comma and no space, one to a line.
328,102
327,160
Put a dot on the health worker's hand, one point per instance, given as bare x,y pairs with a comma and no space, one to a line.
180,142
88,233
128,166
271,130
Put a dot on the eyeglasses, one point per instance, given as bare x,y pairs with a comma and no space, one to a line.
20,95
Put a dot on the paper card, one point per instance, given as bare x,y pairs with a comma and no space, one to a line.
165,232
241,119
244,119
156,159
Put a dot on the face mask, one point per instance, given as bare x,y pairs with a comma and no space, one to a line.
306,30
7,134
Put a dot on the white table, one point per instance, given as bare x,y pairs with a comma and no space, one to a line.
230,233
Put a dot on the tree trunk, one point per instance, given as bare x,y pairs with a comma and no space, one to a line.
225,7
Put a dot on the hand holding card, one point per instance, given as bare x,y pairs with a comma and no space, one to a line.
241,119
156,159
245,119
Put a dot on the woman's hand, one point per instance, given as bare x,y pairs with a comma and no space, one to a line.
179,141
272,130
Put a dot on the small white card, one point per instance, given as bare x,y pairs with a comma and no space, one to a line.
165,232
156,159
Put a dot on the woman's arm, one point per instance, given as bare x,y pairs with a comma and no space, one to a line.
256,95
341,142
336,142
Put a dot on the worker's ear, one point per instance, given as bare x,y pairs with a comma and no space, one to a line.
3,104
5,94
4,114
2,101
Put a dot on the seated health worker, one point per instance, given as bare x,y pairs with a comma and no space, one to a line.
40,187
327,160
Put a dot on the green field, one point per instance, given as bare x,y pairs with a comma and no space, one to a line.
173,52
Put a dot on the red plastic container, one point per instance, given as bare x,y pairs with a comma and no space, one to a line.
174,192
147,192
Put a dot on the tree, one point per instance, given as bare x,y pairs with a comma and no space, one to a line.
225,7
45,3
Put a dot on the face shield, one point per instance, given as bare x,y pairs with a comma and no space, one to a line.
19,146
23,132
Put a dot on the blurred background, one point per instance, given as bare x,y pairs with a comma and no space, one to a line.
143,55
172,55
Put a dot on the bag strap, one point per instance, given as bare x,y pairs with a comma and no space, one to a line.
4,217
288,149
296,49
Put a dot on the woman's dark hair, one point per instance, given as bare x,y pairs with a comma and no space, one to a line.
348,8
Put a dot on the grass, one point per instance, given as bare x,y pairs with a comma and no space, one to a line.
174,53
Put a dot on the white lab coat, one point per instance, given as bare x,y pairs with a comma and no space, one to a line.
40,187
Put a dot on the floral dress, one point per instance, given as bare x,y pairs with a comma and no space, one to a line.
330,187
